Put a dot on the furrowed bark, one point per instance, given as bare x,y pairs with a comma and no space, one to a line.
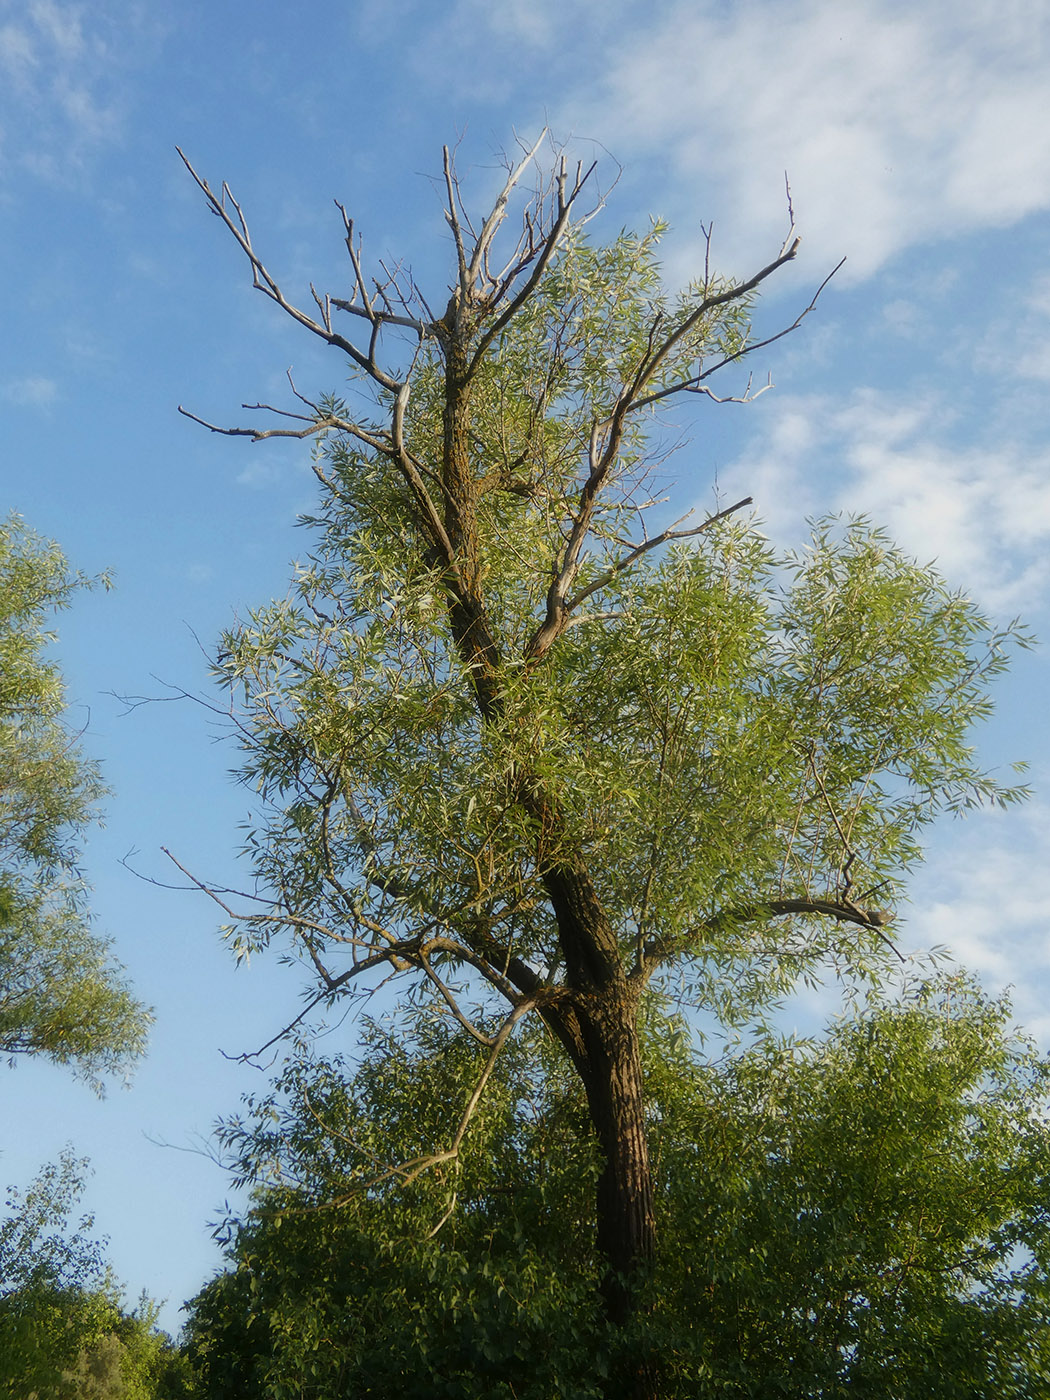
600,1035
612,1078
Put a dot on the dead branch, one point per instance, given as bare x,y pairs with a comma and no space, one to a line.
540,259
639,550
407,1172
264,282
692,384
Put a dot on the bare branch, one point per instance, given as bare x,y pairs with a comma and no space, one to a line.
644,548
540,262
499,211
453,1005
842,910
631,397
407,1172
692,384
452,218
382,318
790,237
265,283
329,423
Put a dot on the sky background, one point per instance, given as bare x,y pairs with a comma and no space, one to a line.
917,141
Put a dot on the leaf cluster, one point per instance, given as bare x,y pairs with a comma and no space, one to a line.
64,1331
861,1214
730,729
61,994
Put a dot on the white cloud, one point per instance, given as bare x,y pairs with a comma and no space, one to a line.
60,25
983,513
985,895
63,73
898,123
31,391
17,55
903,317
261,474
1018,344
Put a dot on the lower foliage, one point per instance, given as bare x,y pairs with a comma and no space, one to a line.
860,1216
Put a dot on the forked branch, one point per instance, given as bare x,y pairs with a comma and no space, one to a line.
220,205
407,1172
658,951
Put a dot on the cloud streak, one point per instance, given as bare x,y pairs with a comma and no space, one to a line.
981,512
30,391
62,69
984,896
898,124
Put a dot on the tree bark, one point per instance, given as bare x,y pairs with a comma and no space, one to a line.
611,1070
612,1079
598,1027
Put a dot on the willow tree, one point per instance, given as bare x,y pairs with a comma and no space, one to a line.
61,994
518,745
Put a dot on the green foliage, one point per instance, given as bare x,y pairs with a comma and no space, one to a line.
519,738
861,1215
731,729
716,730
64,1334
38,1241
864,1216
474,1277
61,995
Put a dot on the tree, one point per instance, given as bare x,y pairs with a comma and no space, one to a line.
862,1214
64,1333
517,746
477,1277
872,1218
61,995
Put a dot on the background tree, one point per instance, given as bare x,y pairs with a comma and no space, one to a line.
871,1215
64,1332
61,994
862,1214
520,746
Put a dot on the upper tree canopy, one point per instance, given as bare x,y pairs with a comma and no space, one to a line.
60,993
518,720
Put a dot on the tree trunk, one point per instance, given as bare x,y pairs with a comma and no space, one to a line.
598,1025
601,1036
612,1079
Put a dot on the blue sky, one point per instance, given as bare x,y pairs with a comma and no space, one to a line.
917,143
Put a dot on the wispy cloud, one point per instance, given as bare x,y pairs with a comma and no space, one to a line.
1018,345
982,512
30,391
984,896
899,124
63,69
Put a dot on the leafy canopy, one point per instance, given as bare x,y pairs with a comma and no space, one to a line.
725,730
61,995
864,1213
517,725
64,1332
521,738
